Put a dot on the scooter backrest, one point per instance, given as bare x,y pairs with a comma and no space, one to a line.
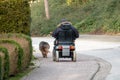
65,36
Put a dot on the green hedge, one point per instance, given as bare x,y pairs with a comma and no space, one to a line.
15,16
19,49
30,42
20,52
6,63
28,38
1,69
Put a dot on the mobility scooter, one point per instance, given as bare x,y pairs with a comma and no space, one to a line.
64,46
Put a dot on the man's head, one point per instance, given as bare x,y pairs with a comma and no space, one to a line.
63,20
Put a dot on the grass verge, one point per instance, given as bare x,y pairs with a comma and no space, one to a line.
21,74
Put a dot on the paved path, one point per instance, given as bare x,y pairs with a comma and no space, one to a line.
111,55
108,50
86,68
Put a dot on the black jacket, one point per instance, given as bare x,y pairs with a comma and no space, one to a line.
63,27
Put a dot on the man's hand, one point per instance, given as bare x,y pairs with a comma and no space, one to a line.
51,33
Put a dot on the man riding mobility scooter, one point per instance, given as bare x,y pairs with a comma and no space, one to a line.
64,46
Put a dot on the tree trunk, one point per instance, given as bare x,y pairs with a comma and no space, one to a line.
46,9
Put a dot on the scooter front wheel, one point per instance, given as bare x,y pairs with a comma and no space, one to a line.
53,54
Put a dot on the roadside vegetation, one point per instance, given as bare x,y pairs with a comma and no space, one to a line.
88,16
21,74
15,16
15,40
15,49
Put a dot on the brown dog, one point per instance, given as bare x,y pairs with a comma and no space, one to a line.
44,48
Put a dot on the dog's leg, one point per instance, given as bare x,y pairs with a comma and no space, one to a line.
45,55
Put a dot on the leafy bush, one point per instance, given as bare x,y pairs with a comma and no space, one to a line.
15,16
1,70
94,16
20,52
105,17
17,37
13,39
28,38
6,62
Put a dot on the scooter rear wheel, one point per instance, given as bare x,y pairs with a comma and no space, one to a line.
57,56
53,54
74,56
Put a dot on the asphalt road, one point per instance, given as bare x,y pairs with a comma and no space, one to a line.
105,47
95,57
108,48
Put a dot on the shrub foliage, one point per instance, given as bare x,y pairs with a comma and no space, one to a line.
1,75
14,16
10,39
19,49
28,38
6,63
88,16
